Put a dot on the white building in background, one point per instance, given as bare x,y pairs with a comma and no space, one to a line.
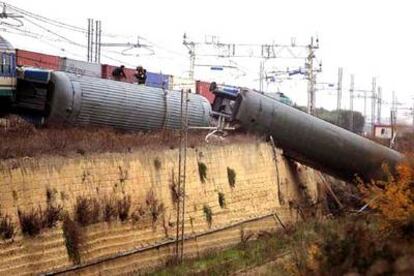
383,131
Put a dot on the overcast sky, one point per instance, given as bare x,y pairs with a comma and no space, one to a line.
367,38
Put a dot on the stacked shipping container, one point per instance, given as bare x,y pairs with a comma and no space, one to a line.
38,60
153,79
203,88
158,80
107,73
81,68
179,83
78,67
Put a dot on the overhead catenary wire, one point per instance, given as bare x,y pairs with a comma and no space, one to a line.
46,24
57,23
44,19
65,50
31,17
67,40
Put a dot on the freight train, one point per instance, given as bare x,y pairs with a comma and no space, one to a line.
73,99
33,86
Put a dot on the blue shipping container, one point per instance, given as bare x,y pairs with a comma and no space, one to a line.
158,80
36,75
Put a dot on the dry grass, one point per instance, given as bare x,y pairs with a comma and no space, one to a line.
110,211
405,143
7,227
52,215
124,205
20,139
74,238
393,198
155,207
87,211
31,223
35,220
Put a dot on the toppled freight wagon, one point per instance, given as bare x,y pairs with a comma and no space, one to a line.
307,139
80,100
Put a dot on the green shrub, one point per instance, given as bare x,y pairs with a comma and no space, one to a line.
202,171
208,214
354,246
231,176
222,200
175,192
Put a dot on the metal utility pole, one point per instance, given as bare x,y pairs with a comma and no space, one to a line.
94,40
379,104
190,45
182,164
393,117
261,75
373,100
263,52
5,14
393,109
351,103
339,94
365,104
98,34
311,77
90,35
339,89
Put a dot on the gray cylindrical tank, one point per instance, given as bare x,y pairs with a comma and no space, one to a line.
81,100
313,141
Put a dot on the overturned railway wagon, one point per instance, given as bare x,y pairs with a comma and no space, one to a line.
81,100
312,141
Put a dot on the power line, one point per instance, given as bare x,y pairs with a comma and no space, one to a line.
64,39
31,17
41,39
45,19
263,52
54,33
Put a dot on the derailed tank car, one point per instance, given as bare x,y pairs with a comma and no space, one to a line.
312,141
80,100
